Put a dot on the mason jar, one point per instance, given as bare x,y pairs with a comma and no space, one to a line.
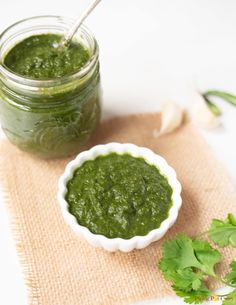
51,118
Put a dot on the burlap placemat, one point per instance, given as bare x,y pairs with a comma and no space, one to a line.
62,269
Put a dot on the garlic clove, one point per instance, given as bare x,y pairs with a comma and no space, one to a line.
201,113
171,118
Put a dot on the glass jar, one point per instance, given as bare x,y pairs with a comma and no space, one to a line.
49,118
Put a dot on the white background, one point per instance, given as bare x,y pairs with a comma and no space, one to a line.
151,51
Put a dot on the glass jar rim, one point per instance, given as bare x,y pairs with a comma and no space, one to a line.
17,78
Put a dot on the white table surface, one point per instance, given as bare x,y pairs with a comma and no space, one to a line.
151,51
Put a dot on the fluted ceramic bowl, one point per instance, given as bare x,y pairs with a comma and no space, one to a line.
114,244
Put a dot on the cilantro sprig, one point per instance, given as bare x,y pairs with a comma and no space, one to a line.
188,262
223,233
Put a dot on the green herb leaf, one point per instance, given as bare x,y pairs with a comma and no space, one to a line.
231,276
224,95
230,299
185,279
186,263
193,297
206,255
183,252
223,233
179,254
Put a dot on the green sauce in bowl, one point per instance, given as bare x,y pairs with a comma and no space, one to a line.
119,196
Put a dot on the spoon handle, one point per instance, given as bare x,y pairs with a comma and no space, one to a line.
69,35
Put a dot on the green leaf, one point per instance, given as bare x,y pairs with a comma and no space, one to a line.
179,253
230,98
186,279
232,219
186,263
206,255
183,252
223,233
193,297
230,299
231,276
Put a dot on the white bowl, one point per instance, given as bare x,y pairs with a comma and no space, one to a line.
114,244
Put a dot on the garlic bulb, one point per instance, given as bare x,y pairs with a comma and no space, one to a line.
201,113
171,118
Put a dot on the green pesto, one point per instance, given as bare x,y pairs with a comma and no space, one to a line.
38,57
54,122
119,196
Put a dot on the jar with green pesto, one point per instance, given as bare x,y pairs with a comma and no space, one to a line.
49,97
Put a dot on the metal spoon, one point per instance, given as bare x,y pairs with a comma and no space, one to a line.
66,39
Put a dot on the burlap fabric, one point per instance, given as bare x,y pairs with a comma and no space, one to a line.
62,269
